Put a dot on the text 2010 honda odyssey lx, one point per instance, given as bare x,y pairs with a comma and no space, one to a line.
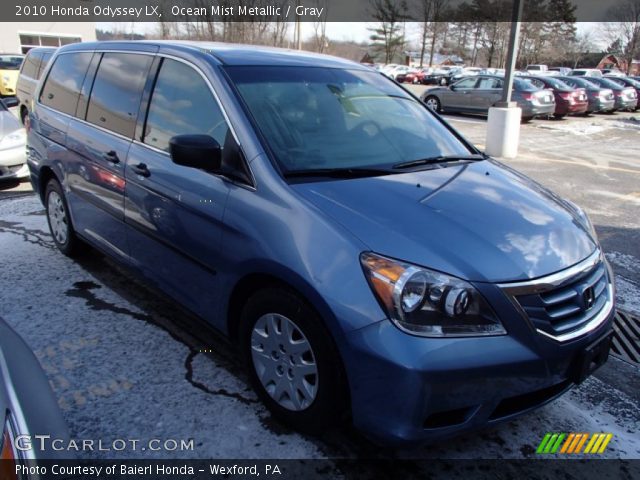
363,256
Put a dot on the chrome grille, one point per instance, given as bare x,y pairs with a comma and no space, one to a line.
568,304
565,308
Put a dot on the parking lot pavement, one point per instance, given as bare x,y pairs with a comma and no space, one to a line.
126,363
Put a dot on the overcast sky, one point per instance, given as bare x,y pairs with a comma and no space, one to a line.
355,31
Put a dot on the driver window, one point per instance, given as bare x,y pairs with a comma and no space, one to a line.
466,83
182,103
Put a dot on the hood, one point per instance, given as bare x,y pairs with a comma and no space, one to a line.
479,221
8,123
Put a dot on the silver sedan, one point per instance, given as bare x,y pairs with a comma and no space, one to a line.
479,93
12,143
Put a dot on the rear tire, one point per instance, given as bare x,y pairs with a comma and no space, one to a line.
59,220
526,119
433,103
291,360
559,116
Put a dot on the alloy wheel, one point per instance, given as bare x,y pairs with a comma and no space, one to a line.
432,103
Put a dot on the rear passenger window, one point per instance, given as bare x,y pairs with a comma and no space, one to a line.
182,103
46,56
487,83
31,65
117,89
62,87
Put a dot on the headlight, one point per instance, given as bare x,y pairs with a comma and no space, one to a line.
14,139
428,303
584,219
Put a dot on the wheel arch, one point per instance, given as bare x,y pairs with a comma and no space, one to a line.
257,280
263,278
46,174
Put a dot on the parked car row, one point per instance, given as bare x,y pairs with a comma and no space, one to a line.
9,68
19,76
537,96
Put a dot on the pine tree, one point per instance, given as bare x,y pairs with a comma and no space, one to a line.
388,36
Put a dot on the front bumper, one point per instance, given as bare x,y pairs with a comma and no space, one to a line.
530,110
625,104
13,163
407,389
599,104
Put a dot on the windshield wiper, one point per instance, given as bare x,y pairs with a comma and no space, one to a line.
338,172
439,159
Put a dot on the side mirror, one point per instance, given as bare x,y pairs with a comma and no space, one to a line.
196,151
10,102
452,87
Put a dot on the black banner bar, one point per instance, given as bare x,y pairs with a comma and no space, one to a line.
579,468
310,10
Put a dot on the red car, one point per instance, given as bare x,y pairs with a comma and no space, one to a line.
417,76
569,100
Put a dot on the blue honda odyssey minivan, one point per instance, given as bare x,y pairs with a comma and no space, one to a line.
368,262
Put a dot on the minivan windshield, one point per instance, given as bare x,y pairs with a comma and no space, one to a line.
316,118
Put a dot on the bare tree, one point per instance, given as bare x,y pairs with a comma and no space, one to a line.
625,29
579,48
320,40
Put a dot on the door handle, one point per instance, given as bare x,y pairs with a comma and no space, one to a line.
111,156
141,169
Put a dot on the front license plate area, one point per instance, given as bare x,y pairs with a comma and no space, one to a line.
591,358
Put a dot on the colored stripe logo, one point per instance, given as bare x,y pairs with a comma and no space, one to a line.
574,443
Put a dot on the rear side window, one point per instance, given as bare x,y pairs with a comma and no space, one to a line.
46,56
117,89
489,83
182,104
31,65
62,87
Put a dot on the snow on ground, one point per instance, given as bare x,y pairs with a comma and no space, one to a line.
593,126
627,290
628,295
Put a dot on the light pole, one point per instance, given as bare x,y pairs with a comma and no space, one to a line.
503,124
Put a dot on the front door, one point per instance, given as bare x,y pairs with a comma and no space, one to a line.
458,97
174,214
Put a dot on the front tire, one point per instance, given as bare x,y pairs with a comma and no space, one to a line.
559,116
59,220
292,363
433,103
